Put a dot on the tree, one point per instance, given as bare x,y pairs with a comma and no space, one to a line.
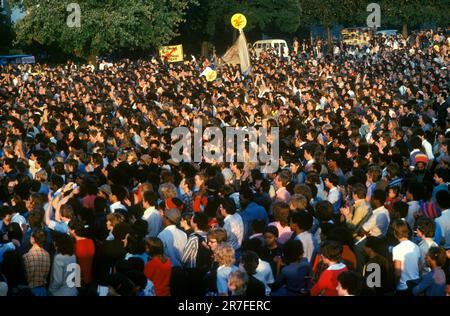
107,26
409,13
267,15
330,12
204,22
5,31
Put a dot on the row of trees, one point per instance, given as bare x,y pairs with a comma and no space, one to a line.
109,26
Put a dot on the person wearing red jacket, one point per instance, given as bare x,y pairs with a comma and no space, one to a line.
331,252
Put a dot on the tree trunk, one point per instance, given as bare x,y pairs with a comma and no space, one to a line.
329,40
204,49
405,30
92,57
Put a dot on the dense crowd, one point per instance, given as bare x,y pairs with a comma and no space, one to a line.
92,202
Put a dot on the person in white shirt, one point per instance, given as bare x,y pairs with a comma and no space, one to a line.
425,231
265,275
406,257
443,201
117,195
233,223
174,240
301,222
260,269
151,214
413,195
378,223
426,145
331,182
309,158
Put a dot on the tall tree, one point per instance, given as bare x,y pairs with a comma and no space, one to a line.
106,26
5,31
410,13
205,22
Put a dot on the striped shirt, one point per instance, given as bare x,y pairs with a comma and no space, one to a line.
429,209
191,250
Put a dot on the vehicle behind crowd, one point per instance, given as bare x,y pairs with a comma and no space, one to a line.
279,46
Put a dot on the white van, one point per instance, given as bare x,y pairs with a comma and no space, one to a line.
280,46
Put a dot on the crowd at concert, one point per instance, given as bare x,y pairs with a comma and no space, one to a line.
92,203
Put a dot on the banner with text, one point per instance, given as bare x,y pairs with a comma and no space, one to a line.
171,53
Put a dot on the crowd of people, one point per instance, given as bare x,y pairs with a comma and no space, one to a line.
92,202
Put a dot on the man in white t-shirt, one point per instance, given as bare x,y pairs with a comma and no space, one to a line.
425,231
378,223
257,268
151,214
232,223
406,257
265,275
174,239
301,222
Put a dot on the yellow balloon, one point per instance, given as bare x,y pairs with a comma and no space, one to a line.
239,21
211,75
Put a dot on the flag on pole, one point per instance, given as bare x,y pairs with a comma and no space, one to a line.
238,54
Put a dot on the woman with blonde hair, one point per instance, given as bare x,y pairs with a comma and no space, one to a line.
42,177
224,256
167,191
112,220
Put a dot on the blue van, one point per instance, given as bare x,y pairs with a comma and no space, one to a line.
16,59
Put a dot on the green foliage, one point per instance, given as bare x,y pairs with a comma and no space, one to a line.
5,31
414,12
330,12
106,25
212,17
268,14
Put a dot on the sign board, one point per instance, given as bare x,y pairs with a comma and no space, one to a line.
171,53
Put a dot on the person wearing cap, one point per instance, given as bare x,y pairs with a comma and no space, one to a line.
174,239
104,191
417,155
